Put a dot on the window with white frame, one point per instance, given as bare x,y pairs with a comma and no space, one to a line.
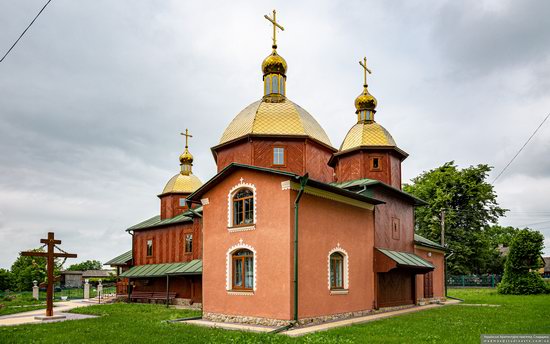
278,155
338,271
243,207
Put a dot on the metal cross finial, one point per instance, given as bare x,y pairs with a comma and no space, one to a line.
366,69
275,26
187,136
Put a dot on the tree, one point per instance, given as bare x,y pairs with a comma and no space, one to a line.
87,265
5,279
470,206
25,270
521,276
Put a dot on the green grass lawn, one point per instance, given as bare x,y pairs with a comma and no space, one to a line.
142,323
19,302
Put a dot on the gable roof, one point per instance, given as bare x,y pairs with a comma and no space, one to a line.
123,259
293,176
360,185
155,221
421,241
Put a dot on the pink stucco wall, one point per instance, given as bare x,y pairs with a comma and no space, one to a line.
438,273
270,239
323,225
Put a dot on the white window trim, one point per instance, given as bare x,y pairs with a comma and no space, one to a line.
229,266
234,189
346,268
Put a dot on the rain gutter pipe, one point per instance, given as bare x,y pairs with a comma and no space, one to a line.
303,182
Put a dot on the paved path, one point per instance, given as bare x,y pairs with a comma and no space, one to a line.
300,331
59,309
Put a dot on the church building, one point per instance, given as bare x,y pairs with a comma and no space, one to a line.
290,229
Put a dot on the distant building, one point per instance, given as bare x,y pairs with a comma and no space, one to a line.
546,268
75,279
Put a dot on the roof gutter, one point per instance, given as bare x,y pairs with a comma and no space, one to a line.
303,182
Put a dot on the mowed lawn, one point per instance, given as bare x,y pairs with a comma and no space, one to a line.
142,323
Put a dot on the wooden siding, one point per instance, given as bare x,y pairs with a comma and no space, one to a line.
170,205
168,244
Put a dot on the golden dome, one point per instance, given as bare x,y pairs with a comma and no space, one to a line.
181,183
367,134
274,64
365,101
283,117
186,157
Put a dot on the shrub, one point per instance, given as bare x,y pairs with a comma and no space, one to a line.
523,261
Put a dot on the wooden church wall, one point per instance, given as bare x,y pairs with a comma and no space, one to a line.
386,215
168,244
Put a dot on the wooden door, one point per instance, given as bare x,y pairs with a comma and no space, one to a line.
428,285
395,288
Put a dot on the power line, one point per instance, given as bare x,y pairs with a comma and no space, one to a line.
32,22
525,144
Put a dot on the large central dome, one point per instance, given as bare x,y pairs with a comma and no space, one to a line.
268,117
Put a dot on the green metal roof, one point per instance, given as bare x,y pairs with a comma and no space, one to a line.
155,221
193,267
406,258
420,240
311,182
161,270
366,182
123,259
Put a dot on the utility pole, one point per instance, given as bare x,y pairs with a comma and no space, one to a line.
443,227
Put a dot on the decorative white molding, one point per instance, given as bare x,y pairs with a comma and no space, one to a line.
346,266
241,293
241,229
205,201
339,292
234,189
229,265
285,185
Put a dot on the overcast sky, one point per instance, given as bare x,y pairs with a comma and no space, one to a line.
93,98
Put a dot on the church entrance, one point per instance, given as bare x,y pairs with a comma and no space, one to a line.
428,285
396,287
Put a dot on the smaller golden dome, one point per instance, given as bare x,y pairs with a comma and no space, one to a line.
365,101
367,134
274,64
186,157
182,183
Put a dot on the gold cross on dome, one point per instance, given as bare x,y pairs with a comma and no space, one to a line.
187,136
275,26
366,69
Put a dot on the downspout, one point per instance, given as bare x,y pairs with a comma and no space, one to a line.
303,182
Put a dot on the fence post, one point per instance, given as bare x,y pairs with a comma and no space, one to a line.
463,281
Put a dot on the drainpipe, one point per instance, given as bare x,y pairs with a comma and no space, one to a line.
303,182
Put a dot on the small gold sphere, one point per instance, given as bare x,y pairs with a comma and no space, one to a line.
365,101
274,64
186,157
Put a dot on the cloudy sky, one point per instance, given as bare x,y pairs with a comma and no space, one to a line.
93,98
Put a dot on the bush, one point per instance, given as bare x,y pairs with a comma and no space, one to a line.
523,261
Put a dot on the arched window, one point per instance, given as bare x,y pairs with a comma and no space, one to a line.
243,270
336,271
243,207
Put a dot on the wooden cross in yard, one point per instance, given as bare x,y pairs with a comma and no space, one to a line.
51,243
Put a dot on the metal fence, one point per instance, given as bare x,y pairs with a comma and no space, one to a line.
473,280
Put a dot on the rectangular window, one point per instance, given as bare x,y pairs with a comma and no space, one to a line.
188,243
278,156
396,228
149,247
183,202
376,163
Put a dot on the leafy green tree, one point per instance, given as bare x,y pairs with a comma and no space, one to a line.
5,279
470,206
86,265
25,270
521,276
